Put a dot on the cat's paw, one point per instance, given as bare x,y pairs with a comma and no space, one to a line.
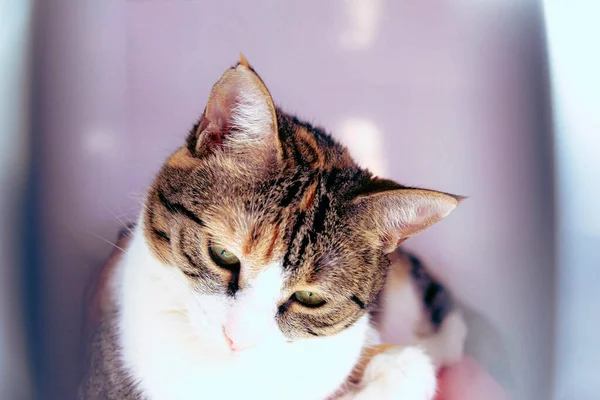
399,374
446,346
453,334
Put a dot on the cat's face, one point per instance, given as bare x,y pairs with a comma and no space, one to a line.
279,234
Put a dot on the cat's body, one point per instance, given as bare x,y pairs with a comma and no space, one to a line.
258,270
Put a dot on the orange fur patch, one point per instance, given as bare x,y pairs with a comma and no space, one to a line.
309,197
365,358
269,253
183,159
243,61
314,155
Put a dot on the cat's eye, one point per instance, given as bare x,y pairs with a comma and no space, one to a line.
223,257
309,299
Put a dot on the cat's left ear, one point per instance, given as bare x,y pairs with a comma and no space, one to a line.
397,213
239,117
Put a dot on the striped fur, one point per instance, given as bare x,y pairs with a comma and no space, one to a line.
289,201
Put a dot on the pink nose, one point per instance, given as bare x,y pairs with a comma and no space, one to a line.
236,345
229,341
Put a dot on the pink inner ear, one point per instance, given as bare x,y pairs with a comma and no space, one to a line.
213,131
215,123
240,115
422,215
210,136
413,225
419,213
430,213
220,113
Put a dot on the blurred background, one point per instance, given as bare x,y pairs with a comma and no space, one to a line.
498,100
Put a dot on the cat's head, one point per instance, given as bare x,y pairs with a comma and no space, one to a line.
272,223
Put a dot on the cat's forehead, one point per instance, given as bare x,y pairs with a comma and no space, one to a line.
251,234
288,240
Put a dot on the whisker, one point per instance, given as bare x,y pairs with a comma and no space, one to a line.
109,242
123,223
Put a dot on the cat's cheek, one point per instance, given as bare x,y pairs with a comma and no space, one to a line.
205,311
206,316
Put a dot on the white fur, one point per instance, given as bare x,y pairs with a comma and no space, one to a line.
252,114
397,374
401,308
403,315
447,346
174,346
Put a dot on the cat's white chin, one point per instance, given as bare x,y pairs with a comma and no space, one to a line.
173,343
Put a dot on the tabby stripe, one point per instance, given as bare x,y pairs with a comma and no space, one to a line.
432,291
417,270
438,302
292,193
273,242
319,219
321,208
297,154
191,274
435,297
296,190
348,325
284,307
333,325
311,234
331,179
302,248
358,301
161,235
191,260
183,251
295,229
312,332
200,271
192,263
178,209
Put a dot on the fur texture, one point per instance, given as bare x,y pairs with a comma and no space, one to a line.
300,215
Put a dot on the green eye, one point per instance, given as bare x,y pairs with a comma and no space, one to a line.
223,257
309,299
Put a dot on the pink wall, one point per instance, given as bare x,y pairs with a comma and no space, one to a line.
449,96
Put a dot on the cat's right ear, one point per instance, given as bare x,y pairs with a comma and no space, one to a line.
239,117
390,213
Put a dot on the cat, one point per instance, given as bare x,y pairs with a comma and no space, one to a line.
265,263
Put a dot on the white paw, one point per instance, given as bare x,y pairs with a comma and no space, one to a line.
447,346
453,334
399,374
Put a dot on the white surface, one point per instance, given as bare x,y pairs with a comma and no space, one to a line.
573,34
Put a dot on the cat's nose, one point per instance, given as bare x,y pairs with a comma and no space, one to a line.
240,344
228,341
233,346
